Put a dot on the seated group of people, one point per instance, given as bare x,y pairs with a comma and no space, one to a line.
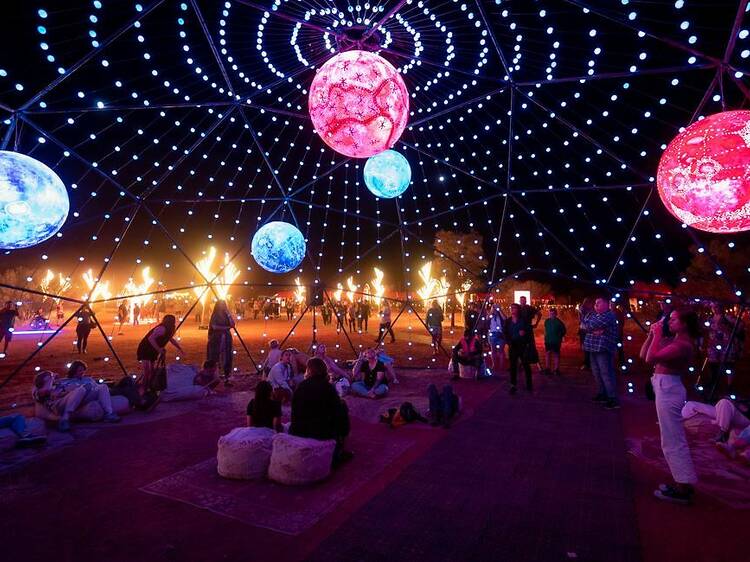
317,410
370,376
62,397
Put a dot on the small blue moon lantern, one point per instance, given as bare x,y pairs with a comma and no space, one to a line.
387,174
278,247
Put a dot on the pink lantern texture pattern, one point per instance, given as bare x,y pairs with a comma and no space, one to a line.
704,175
359,104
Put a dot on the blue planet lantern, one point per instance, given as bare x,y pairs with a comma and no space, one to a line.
387,174
33,201
278,247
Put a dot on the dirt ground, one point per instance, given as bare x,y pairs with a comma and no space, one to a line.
412,348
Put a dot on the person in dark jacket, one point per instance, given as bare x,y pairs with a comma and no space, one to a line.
317,410
520,338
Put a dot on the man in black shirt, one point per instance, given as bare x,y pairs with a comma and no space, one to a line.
8,316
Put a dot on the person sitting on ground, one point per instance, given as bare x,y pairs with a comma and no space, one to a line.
370,375
64,399
554,332
208,377
274,355
281,376
263,410
17,424
335,373
468,352
737,445
318,412
729,415
96,391
443,406
388,361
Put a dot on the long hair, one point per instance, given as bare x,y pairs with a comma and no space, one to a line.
220,308
74,366
689,317
170,324
317,368
263,391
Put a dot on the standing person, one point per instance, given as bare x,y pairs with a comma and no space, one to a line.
554,332
586,308
136,314
162,309
471,315
83,329
671,357
289,306
385,324
352,317
601,343
8,316
219,345
122,316
434,323
60,314
153,347
364,314
530,314
521,347
723,348
497,339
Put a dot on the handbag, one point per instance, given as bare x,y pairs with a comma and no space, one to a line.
158,380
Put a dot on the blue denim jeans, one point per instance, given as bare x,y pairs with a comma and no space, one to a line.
603,369
16,423
360,389
442,405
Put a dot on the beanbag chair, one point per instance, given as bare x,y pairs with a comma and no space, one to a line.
297,460
245,453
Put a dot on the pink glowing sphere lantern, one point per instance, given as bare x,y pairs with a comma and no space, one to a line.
358,104
704,175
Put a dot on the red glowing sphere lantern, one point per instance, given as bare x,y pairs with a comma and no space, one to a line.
704,175
358,104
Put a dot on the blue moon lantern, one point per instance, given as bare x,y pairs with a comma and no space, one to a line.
387,174
33,201
278,247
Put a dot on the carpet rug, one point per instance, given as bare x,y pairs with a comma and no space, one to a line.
531,477
727,481
265,504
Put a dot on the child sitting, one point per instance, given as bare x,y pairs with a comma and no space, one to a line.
208,377
263,411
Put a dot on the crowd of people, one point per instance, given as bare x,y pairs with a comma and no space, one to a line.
315,386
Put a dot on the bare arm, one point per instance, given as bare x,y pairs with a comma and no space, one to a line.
646,345
175,343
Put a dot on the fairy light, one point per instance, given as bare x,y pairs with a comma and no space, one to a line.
472,135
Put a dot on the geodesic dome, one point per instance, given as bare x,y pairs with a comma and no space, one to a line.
179,125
